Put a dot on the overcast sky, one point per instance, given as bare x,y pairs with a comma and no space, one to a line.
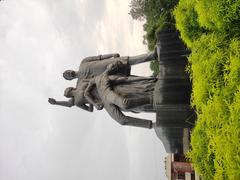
39,39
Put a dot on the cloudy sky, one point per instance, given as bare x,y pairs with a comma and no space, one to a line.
39,39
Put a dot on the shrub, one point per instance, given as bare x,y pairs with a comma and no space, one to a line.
219,15
207,64
215,67
211,29
154,65
186,21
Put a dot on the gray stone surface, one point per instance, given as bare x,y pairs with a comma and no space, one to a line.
172,92
172,138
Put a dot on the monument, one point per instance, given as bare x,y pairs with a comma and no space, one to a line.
105,81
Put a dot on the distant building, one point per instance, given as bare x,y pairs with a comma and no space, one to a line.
176,168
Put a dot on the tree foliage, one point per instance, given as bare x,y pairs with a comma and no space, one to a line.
158,16
138,9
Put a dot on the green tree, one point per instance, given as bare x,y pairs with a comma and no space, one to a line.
138,8
158,16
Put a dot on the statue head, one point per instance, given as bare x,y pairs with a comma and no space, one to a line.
69,74
68,92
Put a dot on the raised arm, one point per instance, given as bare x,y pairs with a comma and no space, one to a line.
117,115
91,58
116,79
68,103
107,56
85,107
100,57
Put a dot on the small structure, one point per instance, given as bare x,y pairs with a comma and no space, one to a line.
177,168
176,165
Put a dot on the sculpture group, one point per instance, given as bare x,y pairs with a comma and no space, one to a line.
105,81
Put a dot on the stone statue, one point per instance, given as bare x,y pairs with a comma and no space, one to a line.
126,87
105,91
93,66
113,102
121,98
128,93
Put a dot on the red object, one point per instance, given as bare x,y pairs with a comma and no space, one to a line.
182,167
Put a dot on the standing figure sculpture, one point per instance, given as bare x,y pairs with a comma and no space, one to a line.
105,91
95,65
111,91
114,102
127,93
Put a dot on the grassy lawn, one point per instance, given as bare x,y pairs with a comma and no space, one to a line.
211,29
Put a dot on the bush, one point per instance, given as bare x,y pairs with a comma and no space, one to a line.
187,21
154,66
211,29
219,15
207,61
215,68
215,139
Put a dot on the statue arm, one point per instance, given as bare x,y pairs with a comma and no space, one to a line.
91,58
90,98
88,94
119,79
114,67
68,103
107,56
100,57
85,107
117,115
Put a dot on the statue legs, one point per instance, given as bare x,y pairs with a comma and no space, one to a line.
117,115
126,103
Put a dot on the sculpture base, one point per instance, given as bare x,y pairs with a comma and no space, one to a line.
172,139
172,92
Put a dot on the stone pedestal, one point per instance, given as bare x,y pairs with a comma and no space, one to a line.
172,92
